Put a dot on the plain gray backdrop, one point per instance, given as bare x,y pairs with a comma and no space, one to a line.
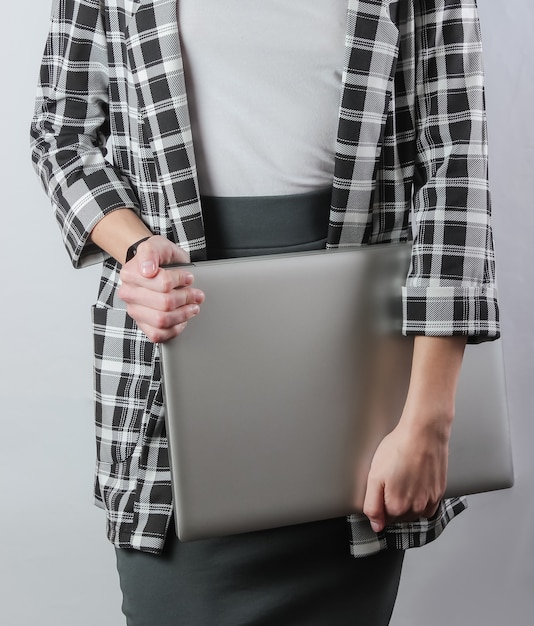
55,563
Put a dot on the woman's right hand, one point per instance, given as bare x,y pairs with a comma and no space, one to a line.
161,301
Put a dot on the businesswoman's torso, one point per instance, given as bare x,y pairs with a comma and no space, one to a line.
264,85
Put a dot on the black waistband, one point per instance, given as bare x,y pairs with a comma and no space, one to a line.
248,226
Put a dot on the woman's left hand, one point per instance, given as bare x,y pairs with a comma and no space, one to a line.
408,474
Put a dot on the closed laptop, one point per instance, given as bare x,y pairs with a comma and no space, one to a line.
278,393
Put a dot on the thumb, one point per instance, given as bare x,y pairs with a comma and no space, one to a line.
147,259
148,267
158,252
373,506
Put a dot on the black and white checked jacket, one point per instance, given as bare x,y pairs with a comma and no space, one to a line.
412,133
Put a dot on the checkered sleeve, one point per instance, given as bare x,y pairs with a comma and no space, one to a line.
450,289
70,127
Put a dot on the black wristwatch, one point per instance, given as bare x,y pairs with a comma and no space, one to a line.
132,250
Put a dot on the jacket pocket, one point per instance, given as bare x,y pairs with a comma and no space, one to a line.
123,378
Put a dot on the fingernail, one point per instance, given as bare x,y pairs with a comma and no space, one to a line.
148,268
376,527
188,279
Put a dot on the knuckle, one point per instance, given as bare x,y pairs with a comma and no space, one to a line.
168,302
184,296
180,328
124,293
160,336
156,336
166,281
396,509
371,510
182,255
126,273
161,320
190,296
425,506
419,507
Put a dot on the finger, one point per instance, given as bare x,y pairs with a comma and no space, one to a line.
157,335
168,280
162,320
164,301
163,281
373,506
408,508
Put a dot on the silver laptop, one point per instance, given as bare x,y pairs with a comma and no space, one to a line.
279,392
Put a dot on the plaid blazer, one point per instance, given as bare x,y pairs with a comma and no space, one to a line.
411,158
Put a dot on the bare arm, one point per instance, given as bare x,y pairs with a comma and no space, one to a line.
117,231
408,474
161,301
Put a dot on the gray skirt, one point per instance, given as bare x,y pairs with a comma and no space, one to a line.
294,576
302,575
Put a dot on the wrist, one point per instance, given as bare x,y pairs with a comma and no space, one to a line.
132,250
118,230
428,420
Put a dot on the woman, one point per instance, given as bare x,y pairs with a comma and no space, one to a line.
315,125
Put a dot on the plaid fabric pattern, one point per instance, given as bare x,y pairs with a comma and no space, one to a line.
402,536
132,478
411,157
413,132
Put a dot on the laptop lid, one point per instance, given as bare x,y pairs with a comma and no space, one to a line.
279,391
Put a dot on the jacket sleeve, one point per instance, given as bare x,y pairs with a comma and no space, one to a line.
70,128
451,287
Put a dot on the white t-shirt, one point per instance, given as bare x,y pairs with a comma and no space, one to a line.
264,80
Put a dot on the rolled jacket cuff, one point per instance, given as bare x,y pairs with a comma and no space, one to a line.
83,204
448,311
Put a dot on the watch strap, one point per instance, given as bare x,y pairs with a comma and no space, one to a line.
132,250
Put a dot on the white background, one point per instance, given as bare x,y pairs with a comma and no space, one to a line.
56,566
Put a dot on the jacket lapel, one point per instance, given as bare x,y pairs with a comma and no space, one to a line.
372,46
158,74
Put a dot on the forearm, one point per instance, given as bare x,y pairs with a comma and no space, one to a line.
434,377
117,231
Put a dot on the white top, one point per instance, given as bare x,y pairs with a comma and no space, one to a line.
264,82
